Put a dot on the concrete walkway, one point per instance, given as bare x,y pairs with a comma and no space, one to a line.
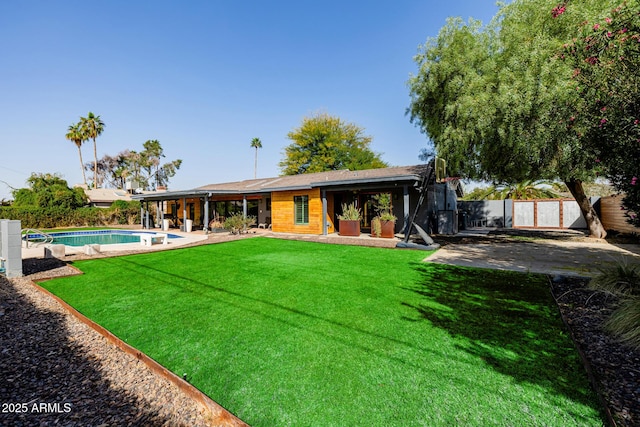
547,256
553,257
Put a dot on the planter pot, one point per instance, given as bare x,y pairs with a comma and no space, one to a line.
349,228
388,229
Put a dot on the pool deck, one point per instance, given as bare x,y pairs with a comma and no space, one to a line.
38,251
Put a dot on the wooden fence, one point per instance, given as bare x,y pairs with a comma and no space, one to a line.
612,215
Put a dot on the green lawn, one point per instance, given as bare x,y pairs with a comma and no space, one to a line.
307,334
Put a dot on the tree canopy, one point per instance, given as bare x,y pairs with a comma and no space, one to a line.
145,167
495,100
47,191
605,57
324,143
526,190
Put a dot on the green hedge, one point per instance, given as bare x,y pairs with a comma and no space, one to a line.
32,217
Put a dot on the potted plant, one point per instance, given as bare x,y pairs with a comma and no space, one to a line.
349,220
385,216
376,227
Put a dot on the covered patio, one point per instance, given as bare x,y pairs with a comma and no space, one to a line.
303,204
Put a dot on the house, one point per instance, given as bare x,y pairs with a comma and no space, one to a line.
304,204
104,197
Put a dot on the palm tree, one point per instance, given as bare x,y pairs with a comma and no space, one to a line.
74,134
256,143
524,190
92,128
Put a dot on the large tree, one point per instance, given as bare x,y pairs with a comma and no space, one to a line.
606,58
49,191
154,173
112,170
324,143
145,167
493,99
92,127
75,135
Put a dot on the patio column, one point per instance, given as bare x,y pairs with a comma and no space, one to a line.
142,215
325,226
184,214
161,210
206,214
406,207
146,205
244,206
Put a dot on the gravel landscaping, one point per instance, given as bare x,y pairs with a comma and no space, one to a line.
55,370
61,372
614,367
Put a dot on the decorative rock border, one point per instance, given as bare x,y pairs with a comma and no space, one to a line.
51,356
216,413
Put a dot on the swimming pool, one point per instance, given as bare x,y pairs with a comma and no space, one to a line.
100,237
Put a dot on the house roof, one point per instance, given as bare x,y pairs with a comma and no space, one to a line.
335,179
106,195
319,179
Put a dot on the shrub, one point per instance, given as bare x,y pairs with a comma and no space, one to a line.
237,223
123,212
624,321
57,216
623,281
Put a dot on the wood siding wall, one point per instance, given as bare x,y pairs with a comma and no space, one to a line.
612,215
282,212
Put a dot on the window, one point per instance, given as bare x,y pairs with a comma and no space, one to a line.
301,212
268,204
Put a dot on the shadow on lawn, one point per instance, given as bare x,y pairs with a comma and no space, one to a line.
40,364
508,320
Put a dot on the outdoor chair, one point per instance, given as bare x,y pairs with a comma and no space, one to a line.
266,224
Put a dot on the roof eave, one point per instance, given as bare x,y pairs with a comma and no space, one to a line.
407,178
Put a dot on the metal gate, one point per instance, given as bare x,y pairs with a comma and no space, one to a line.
547,213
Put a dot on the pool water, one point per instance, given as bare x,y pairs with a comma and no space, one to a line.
92,239
99,237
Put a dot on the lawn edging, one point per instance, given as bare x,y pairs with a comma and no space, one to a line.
218,414
585,361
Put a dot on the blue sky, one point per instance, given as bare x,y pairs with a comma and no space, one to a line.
205,77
